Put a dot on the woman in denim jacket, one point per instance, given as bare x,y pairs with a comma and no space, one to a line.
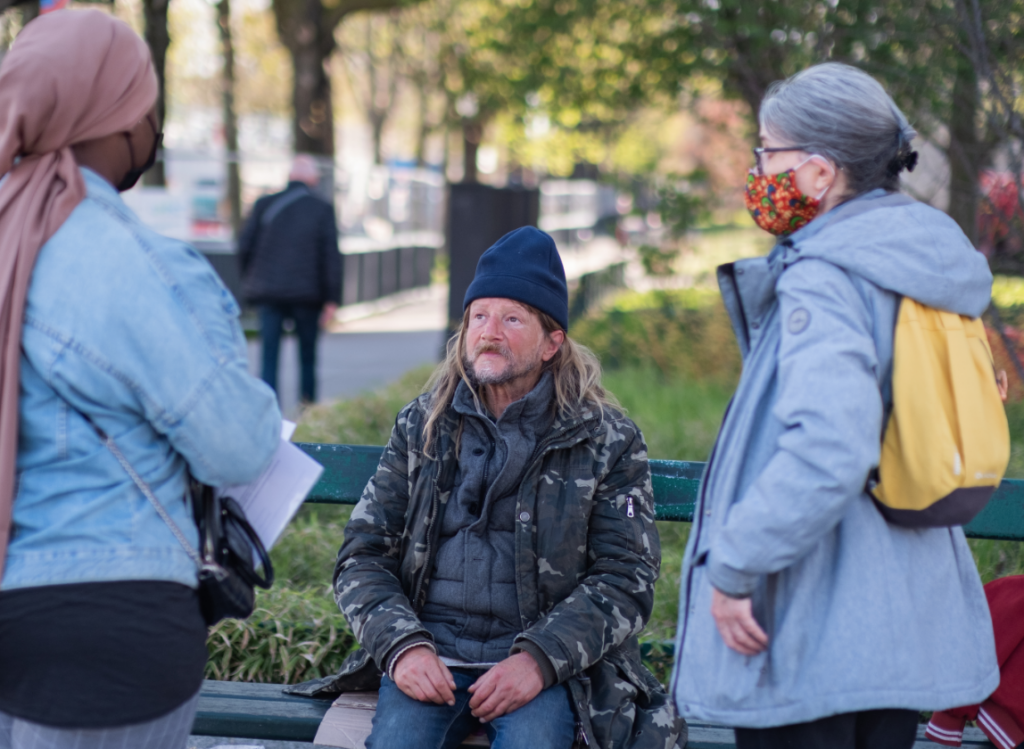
101,639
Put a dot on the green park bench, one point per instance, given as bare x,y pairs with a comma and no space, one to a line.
262,711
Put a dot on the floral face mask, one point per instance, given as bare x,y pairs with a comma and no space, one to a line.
776,204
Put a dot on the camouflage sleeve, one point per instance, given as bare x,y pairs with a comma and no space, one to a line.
614,599
367,586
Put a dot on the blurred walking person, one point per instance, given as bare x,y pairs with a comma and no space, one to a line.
291,269
104,325
806,618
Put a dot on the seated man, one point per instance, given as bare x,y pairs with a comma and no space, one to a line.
502,560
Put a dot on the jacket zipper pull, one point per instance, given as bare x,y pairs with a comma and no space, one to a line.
581,735
629,505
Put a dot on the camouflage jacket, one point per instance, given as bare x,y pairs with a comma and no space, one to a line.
587,557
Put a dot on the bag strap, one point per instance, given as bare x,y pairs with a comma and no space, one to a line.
283,202
194,555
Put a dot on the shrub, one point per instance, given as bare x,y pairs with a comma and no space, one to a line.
683,334
292,636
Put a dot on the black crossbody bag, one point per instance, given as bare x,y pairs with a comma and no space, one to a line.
231,559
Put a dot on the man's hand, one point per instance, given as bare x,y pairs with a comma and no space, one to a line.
506,687
327,315
421,675
736,623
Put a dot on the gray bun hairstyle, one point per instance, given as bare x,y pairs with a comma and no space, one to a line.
845,115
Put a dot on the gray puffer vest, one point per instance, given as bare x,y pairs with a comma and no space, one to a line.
472,610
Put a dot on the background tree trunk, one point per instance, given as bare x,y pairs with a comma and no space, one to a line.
472,132
29,11
966,152
230,118
306,28
422,128
313,126
157,37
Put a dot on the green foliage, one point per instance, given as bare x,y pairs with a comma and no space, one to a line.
292,636
364,420
304,556
683,334
1008,292
658,261
296,632
679,417
684,201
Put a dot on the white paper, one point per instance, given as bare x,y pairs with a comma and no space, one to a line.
287,430
271,501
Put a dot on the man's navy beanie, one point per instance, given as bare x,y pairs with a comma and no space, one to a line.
523,265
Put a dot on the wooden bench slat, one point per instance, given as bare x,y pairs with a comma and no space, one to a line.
676,483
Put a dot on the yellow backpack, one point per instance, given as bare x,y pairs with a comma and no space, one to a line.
946,443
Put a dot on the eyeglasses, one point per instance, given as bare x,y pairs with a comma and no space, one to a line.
759,151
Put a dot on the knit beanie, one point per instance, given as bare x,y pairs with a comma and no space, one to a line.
523,265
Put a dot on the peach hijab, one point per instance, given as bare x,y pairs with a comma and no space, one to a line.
71,76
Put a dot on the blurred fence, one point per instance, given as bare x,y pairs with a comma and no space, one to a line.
391,220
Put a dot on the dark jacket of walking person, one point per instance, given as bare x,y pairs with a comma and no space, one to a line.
102,643
291,269
806,619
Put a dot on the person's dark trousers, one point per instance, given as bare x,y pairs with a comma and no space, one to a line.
871,729
307,326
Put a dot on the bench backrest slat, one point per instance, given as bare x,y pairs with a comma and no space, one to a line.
347,468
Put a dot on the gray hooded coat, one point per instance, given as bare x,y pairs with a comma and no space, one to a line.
860,614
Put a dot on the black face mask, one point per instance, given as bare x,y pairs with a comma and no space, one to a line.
135,173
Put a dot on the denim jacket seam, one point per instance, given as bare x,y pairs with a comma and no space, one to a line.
170,282
88,355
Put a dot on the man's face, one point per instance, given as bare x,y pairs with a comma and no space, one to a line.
505,342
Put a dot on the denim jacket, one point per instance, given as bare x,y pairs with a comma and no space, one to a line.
135,330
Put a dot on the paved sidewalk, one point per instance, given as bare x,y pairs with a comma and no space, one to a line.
351,363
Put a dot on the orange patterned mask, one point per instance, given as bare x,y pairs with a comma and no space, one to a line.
776,203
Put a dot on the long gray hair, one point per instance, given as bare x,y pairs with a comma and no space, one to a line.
575,369
845,115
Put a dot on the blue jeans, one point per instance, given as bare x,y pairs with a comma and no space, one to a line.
546,722
307,326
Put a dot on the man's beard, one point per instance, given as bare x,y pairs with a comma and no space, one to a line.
513,370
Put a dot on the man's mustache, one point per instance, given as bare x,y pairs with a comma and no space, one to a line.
492,348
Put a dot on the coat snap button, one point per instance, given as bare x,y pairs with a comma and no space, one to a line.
524,516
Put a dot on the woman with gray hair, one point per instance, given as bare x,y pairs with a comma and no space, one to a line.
806,619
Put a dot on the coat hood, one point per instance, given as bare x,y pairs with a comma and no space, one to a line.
903,246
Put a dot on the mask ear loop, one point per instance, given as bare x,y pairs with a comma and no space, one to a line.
826,163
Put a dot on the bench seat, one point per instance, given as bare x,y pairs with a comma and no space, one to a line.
263,711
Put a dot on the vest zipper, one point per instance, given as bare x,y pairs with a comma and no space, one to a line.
629,505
